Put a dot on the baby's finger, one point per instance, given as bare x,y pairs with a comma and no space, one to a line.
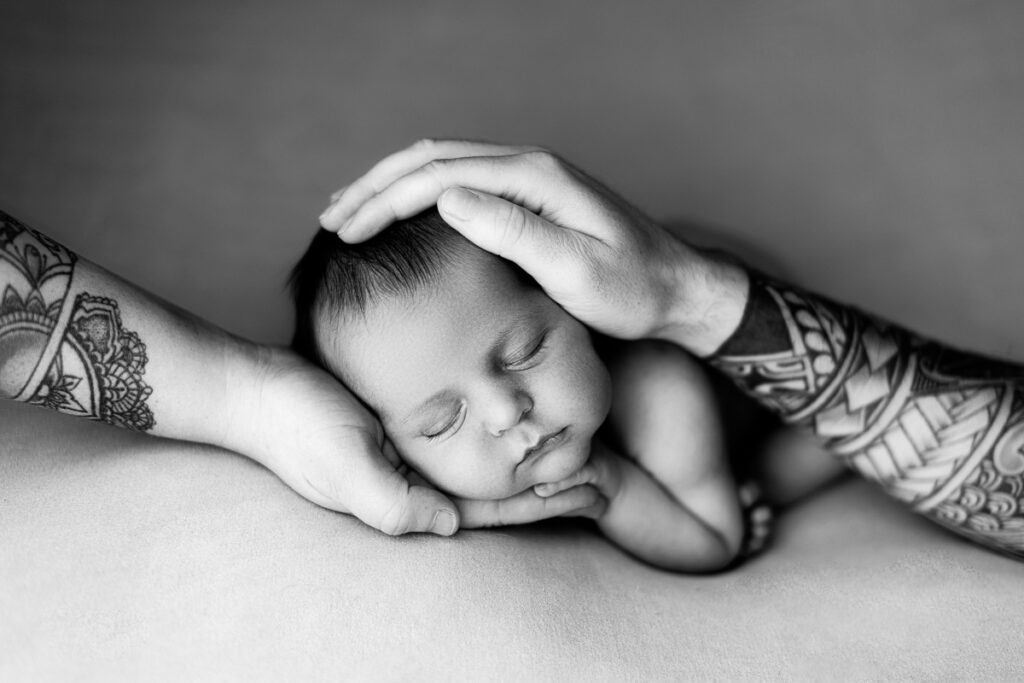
585,475
525,507
595,511
391,168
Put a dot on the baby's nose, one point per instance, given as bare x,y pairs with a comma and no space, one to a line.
508,411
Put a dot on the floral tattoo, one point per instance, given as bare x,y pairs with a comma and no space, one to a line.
71,354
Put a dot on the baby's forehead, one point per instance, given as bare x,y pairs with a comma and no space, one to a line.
471,303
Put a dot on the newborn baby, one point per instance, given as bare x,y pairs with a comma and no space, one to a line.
487,388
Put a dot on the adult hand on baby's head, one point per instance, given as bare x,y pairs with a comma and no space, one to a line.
599,257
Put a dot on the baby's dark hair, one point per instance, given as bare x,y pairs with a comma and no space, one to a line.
335,277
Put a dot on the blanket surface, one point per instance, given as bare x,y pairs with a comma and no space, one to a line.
128,557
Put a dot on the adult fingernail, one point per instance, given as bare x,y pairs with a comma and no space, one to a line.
443,523
336,195
327,212
344,227
458,203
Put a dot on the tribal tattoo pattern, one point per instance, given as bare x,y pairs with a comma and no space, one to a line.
940,430
71,354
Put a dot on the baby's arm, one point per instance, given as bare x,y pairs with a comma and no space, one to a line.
671,500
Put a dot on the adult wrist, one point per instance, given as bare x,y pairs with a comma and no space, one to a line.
707,299
246,367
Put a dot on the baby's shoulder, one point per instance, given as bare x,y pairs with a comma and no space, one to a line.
657,388
650,365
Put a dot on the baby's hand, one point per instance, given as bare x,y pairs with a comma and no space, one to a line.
526,507
602,471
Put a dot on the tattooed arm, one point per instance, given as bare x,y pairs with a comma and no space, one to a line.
939,430
64,345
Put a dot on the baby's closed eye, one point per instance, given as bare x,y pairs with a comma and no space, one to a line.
448,423
528,356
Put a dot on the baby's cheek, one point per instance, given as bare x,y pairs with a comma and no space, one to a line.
600,392
590,387
459,466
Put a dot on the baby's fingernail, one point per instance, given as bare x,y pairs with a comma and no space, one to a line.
335,196
443,523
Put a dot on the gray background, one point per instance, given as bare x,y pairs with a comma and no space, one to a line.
870,150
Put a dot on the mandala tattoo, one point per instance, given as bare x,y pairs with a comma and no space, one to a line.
70,354
940,430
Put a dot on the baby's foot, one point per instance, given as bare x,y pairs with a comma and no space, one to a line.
758,519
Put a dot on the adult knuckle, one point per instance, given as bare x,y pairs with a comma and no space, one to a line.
398,517
436,169
424,143
395,521
511,216
513,224
544,160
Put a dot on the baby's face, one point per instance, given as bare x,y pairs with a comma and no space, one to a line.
484,385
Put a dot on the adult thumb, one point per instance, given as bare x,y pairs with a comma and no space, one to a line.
399,504
422,510
501,227
391,500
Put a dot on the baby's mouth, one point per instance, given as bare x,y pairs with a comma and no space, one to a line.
544,445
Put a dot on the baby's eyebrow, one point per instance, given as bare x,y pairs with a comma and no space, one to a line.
521,320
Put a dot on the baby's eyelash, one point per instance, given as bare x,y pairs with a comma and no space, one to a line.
529,355
448,425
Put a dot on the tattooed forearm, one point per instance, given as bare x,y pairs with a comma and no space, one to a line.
69,353
938,429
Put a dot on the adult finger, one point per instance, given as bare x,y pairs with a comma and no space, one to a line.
345,202
551,254
525,507
533,179
336,195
